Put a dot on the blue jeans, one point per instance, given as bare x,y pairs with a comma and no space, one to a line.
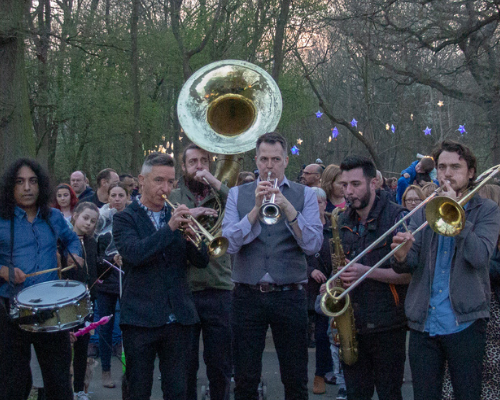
214,309
286,313
107,305
324,362
464,352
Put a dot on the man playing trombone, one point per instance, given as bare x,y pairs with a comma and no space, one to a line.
377,301
157,309
211,286
448,298
270,270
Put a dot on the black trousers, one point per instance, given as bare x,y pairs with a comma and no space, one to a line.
464,352
324,362
54,356
214,309
381,363
80,350
172,345
286,313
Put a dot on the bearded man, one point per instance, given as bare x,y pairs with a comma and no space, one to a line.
378,301
198,189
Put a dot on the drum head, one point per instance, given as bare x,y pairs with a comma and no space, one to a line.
51,293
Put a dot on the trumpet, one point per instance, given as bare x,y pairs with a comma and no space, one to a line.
270,212
217,246
444,216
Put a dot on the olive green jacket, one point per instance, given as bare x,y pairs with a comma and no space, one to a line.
218,273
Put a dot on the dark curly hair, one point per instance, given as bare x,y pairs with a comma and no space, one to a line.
8,182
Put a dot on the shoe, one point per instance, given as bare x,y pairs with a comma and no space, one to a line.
82,396
107,382
93,350
319,386
342,394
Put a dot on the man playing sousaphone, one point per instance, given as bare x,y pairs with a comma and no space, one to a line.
29,230
201,192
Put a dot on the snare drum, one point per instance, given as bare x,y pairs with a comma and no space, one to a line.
68,301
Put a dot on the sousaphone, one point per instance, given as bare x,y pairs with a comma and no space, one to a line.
223,108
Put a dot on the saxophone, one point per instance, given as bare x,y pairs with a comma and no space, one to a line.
341,311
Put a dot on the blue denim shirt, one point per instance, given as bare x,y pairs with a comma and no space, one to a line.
35,246
441,319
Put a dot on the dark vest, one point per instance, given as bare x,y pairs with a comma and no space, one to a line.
377,306
275,250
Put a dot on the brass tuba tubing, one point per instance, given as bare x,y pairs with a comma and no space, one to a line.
481,179
217,246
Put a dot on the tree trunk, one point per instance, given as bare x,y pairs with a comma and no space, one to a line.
134,80
279,39
16,130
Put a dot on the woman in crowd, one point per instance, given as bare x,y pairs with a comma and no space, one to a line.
245,177
412,197
108,292
65,200
333,189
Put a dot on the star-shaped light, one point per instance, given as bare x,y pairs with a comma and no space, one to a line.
295,150
299,141
319,114
427,130
393,128
440,103
354,122
461,129
335,133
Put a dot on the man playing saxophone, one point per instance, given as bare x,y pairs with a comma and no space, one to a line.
199,190
378,301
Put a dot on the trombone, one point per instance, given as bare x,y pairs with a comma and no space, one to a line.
270,212
217,246
444,215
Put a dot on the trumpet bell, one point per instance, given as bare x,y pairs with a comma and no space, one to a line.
269,213
226,105
445,216
218,247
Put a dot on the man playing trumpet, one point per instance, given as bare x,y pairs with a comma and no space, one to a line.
157,309
270,271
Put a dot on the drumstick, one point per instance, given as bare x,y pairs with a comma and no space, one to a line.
50,270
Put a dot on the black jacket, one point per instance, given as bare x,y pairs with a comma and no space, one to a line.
155,264
377,306
86,193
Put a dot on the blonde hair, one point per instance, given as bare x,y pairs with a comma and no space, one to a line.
429,188
491,192
330,174
417,190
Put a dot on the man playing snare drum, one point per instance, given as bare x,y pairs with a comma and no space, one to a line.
29,230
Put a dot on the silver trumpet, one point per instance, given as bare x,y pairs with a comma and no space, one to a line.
270,212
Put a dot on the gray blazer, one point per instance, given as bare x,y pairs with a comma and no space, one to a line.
469,279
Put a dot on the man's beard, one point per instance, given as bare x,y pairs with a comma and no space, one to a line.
195,186
363,202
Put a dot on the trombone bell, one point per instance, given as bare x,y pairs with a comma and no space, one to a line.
445,216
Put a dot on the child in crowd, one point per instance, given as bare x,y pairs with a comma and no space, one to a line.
84,220
422,168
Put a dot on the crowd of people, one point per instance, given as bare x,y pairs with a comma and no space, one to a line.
132,242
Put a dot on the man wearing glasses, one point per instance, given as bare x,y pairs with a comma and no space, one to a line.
311,175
